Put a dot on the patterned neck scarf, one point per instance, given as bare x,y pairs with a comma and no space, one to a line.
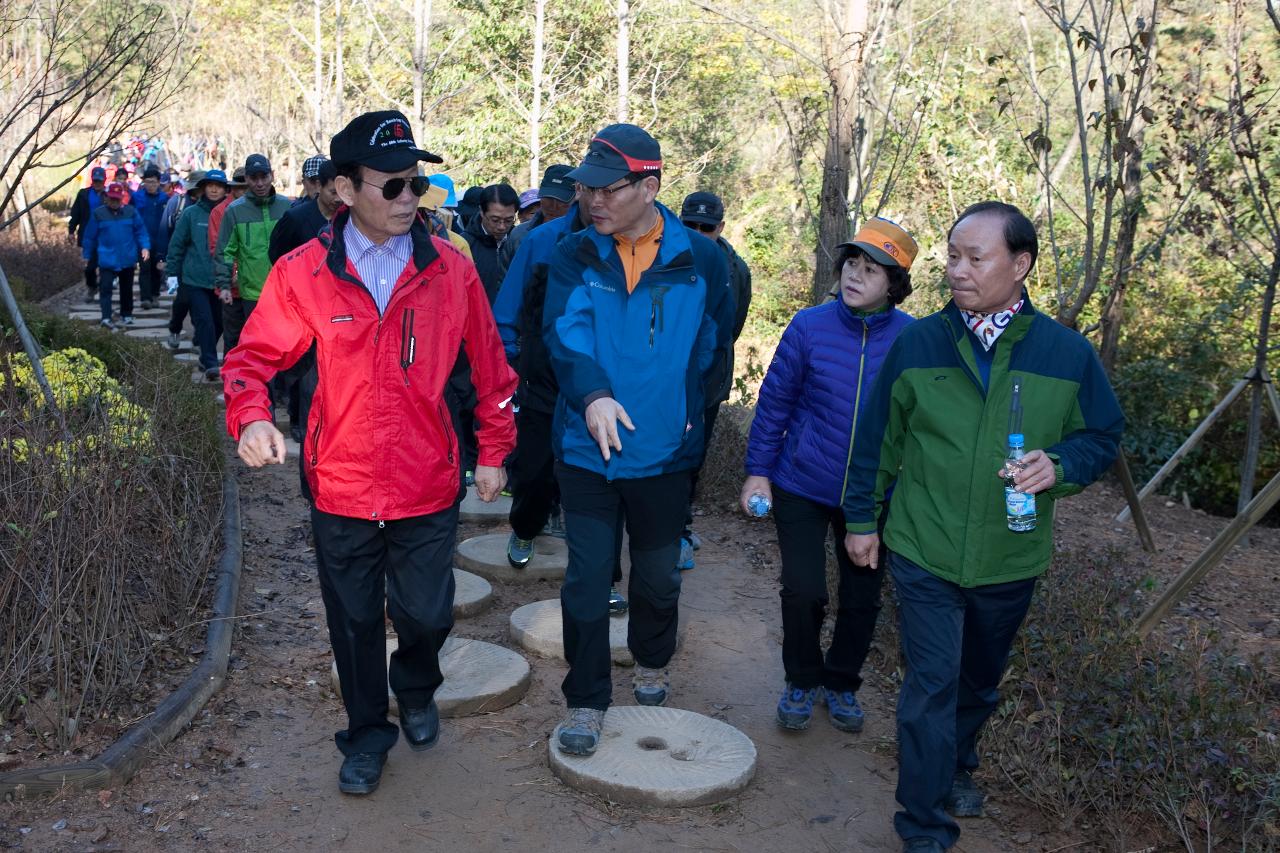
987,327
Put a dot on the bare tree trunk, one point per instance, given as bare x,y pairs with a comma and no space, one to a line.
339,66
843,58
1248,468
25,231
317,52
535,111
421,28
624,58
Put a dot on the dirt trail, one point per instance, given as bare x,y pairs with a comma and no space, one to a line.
257,770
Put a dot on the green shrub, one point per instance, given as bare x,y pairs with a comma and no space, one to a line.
44,268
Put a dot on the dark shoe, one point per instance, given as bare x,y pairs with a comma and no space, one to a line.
295,432
421,726
650,686
213,374
519,551
361,772
844,711
922,845
617,602
966,798
173,341
579,734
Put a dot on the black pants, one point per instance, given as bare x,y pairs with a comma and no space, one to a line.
91,274
532,473
206,317
233,320
956,642
709,418
150,279
182,306
406,567
106,279
802,535
654,510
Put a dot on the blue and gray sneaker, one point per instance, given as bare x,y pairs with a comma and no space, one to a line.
519,551
650,686
795,708
685,563
580,733
694,540
844,710
617,602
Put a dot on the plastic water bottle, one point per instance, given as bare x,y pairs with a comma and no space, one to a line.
759,505
1019,507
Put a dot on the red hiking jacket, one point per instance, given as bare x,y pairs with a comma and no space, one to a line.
380,442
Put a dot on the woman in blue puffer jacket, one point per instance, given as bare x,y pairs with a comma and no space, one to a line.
797,455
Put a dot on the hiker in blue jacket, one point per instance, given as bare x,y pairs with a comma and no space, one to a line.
150,202
637,313
117,237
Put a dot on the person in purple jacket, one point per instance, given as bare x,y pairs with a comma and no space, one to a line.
797,453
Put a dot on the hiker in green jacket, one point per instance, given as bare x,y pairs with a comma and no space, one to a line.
245,234
952,388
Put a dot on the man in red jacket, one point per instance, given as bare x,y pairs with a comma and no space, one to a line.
388,306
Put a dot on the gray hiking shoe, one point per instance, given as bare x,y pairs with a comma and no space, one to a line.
650,686
519,551
579,734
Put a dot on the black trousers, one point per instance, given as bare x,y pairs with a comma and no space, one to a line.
653,508
107,278
206,318
709,418
533,474
406,567
150,279
182,306
802,535
233,320
91,273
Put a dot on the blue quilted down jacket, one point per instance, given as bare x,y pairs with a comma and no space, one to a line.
820,377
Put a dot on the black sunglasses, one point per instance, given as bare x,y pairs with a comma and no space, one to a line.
418,185
700,226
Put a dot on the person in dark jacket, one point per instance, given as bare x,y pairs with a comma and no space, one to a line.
191,264
487,231
86,201
150,202
636,314
806,418
555,194
117,237
175,207
469,207
299,225
704,213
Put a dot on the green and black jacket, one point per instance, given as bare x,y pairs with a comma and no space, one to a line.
931,427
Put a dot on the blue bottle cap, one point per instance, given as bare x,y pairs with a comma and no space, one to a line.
1015,438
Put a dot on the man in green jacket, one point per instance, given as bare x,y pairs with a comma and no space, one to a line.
952,389
245,235
191,265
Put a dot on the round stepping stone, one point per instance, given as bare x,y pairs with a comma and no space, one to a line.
148,333
476,510
660,757
88,315
156,322
190,357
487,557
538,628
471,594
478,677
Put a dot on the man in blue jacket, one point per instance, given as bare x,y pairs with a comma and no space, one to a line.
116,236
150,202
637,313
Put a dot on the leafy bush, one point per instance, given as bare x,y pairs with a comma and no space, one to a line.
1167,735
46,267
109,534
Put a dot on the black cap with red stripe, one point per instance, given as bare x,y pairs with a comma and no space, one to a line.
615,152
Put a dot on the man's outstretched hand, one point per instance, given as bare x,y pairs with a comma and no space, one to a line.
602,418
490,481
261,444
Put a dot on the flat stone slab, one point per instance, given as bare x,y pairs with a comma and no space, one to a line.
471,594
156,322
486,556
158,332
660,757
475,510
478,677
538,628
189,357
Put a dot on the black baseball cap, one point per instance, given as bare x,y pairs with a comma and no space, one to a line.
556,183
381,140
151,172
257,164
615,152
703,207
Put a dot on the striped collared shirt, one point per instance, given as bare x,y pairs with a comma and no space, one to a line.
379,265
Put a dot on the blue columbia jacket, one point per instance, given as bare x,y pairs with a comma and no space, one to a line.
151,208
820,378
118,237
651,350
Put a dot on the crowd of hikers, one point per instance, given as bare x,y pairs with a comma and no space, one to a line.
570,345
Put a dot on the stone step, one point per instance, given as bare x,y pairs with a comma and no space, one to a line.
537,627
478,677
472,509
660,757
486,556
